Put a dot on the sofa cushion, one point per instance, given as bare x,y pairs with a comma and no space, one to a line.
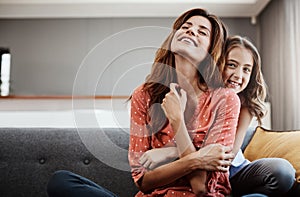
269,143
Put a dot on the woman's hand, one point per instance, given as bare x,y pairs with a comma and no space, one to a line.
159,156
174,103
214,157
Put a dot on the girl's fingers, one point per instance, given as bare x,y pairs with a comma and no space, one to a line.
147,164
143,159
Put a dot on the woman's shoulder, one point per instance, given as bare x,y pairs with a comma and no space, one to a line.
140,91
225,93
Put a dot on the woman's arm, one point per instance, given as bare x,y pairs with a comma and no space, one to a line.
174,106
213,157
210,158
141,141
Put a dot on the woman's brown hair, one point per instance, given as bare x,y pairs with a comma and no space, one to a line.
254,95
163,69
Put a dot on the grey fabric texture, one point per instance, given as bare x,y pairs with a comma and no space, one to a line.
29,156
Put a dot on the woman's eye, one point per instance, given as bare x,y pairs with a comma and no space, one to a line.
202,33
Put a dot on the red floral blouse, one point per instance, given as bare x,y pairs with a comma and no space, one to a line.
214,121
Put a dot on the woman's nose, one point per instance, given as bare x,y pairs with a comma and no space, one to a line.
192,31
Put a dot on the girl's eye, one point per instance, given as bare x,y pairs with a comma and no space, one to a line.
247,70
230,65
184,27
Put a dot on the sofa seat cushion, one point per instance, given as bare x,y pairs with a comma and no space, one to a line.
269,143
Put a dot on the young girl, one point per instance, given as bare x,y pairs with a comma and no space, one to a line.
268,176
182,102
242,73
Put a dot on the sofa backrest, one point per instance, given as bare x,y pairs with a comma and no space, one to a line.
29,156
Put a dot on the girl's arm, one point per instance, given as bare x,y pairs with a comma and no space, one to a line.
244,121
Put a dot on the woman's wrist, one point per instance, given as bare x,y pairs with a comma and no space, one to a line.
177,123
192,163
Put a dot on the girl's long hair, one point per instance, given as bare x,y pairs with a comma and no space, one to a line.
254,95
163,70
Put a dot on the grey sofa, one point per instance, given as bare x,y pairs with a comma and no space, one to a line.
29,156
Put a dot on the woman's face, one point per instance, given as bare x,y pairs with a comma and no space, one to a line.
192,40
238,69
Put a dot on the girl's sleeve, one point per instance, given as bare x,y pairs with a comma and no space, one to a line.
226,109
140,138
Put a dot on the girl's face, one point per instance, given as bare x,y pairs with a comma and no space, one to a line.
238,68
192,40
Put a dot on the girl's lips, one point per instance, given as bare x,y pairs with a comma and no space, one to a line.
232,84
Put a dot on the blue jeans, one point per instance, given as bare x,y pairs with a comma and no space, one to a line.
268,176
67,184
255,195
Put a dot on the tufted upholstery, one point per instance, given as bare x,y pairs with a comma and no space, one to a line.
28,157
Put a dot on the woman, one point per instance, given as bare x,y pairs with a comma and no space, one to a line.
183,87
183,99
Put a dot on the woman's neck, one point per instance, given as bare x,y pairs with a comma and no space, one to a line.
187,77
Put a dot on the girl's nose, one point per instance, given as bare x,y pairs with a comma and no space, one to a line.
238,73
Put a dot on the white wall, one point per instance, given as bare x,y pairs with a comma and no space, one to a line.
47,53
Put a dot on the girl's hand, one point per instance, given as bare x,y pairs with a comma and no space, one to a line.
174,103
158,156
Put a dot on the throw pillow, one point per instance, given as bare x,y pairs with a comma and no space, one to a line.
282,144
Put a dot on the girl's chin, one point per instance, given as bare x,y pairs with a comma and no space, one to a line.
234,88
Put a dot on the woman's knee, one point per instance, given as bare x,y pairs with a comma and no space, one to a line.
58,181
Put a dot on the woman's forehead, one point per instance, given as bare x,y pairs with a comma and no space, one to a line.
200,21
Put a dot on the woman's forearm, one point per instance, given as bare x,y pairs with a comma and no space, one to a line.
168,173
185,146
184,143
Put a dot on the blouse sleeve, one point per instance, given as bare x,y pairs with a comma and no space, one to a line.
226,108
140,138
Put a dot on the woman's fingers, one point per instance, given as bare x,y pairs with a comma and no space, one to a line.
173,88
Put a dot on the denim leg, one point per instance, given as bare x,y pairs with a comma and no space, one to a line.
67,184
269,176
255,195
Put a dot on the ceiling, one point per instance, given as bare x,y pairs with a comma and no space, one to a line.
125,8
